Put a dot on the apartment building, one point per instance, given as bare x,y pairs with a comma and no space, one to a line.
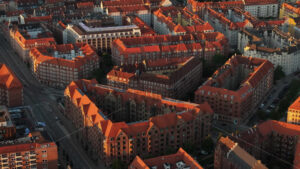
98,36
291,10
58,65
199,7
169,77
276,140
120,124
33,151
120,9
7,128
229,22
152,4
27,36
262,8
135,50
294,112
236,88
279,47
181,159
11,89
146,30
176,21
229,155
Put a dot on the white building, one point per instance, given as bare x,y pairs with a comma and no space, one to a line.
279,47
288,59
262,8
99,37
229,23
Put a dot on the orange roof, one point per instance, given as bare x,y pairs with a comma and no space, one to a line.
283,128
8,78
46,54
185,111
227,141
38,19
265,129
296,104
168,43
260,2
169,15
290,7
122,3
262,68
85,4
172,159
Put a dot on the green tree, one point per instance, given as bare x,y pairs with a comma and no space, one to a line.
278,73
98,74
107,59
262,115
219,59
117,164
275,115
207,144
190,148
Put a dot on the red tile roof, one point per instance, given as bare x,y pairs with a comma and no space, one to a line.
291,8
85,5
169,15
38,19
262,68
172,159
296,104
41,54
263,130
260,2
110,129
8,79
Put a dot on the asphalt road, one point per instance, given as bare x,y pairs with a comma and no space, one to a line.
44,107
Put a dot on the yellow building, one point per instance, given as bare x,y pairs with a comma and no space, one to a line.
290,10
293,115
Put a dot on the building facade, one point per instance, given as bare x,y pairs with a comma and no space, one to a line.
181,159
262,8
290,10
7,128
28,152
293,112
236,88
137,49
229,22
120,9
11,89
279,47
229,155
28,36
99,37
153,123
274,139
58,65
176,21
173,77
